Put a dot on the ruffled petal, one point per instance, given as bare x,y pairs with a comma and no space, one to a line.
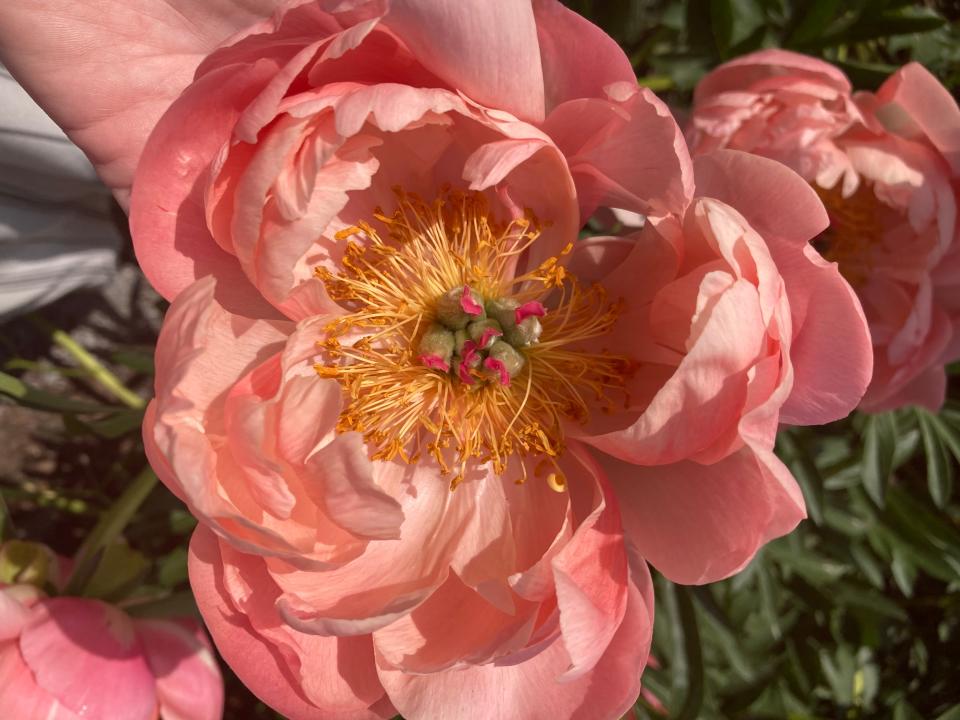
304,677
701,523
189,685
72,644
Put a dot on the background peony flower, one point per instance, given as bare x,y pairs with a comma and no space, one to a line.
338,573
886,166
63,658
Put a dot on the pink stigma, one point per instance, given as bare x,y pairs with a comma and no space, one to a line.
488,335
468,304
529,309
498,367
435,362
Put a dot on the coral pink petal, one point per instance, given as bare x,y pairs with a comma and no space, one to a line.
72,645
488,51
591,578
189,685
133,57
913,102
831,349
433,638
530,689
741,73
701,523
566,38
626,152
167,218
272,672
21,697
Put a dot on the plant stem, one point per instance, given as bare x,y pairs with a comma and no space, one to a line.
98,371
111,524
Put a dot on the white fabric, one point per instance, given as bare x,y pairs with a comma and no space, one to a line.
56,233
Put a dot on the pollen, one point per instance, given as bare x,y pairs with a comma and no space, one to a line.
448,353
855,228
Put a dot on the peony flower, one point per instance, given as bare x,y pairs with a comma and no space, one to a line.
429,434
64,658
886,165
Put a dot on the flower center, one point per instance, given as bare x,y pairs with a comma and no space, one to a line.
855,227
447,351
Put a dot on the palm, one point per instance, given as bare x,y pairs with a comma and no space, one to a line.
105,70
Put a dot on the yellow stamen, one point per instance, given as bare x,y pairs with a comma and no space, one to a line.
855,226
391,280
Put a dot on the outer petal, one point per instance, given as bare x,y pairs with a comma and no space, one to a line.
21,697
913,103
831,350
566,38
133,58
489,51
269,669
167,220
73,645
529,689
625,151
189,685
747,70
701,523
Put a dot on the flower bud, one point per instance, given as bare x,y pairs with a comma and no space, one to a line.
458,307
484,332
436,347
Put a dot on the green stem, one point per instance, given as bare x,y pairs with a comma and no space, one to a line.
98,372
108,529
93,367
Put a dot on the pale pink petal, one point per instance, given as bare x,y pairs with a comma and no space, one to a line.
927,390
488,51
701,523
831,349
774,64
625,151
341,480
591,576
86,654
134,58
281,666
189,685
530,689
454,626
566,38
21,697
15,603
913,103
391,576
167,217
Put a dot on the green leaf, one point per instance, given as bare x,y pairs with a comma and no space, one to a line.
177,605
879,446
795,457
172,569
120,423
108,529
31,397
137,360
904,571
904,711
734,21
687,662
939,468
818,13
866,75
120,570
951,714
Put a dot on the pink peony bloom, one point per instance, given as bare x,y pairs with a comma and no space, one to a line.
66,658
338,195
887,166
